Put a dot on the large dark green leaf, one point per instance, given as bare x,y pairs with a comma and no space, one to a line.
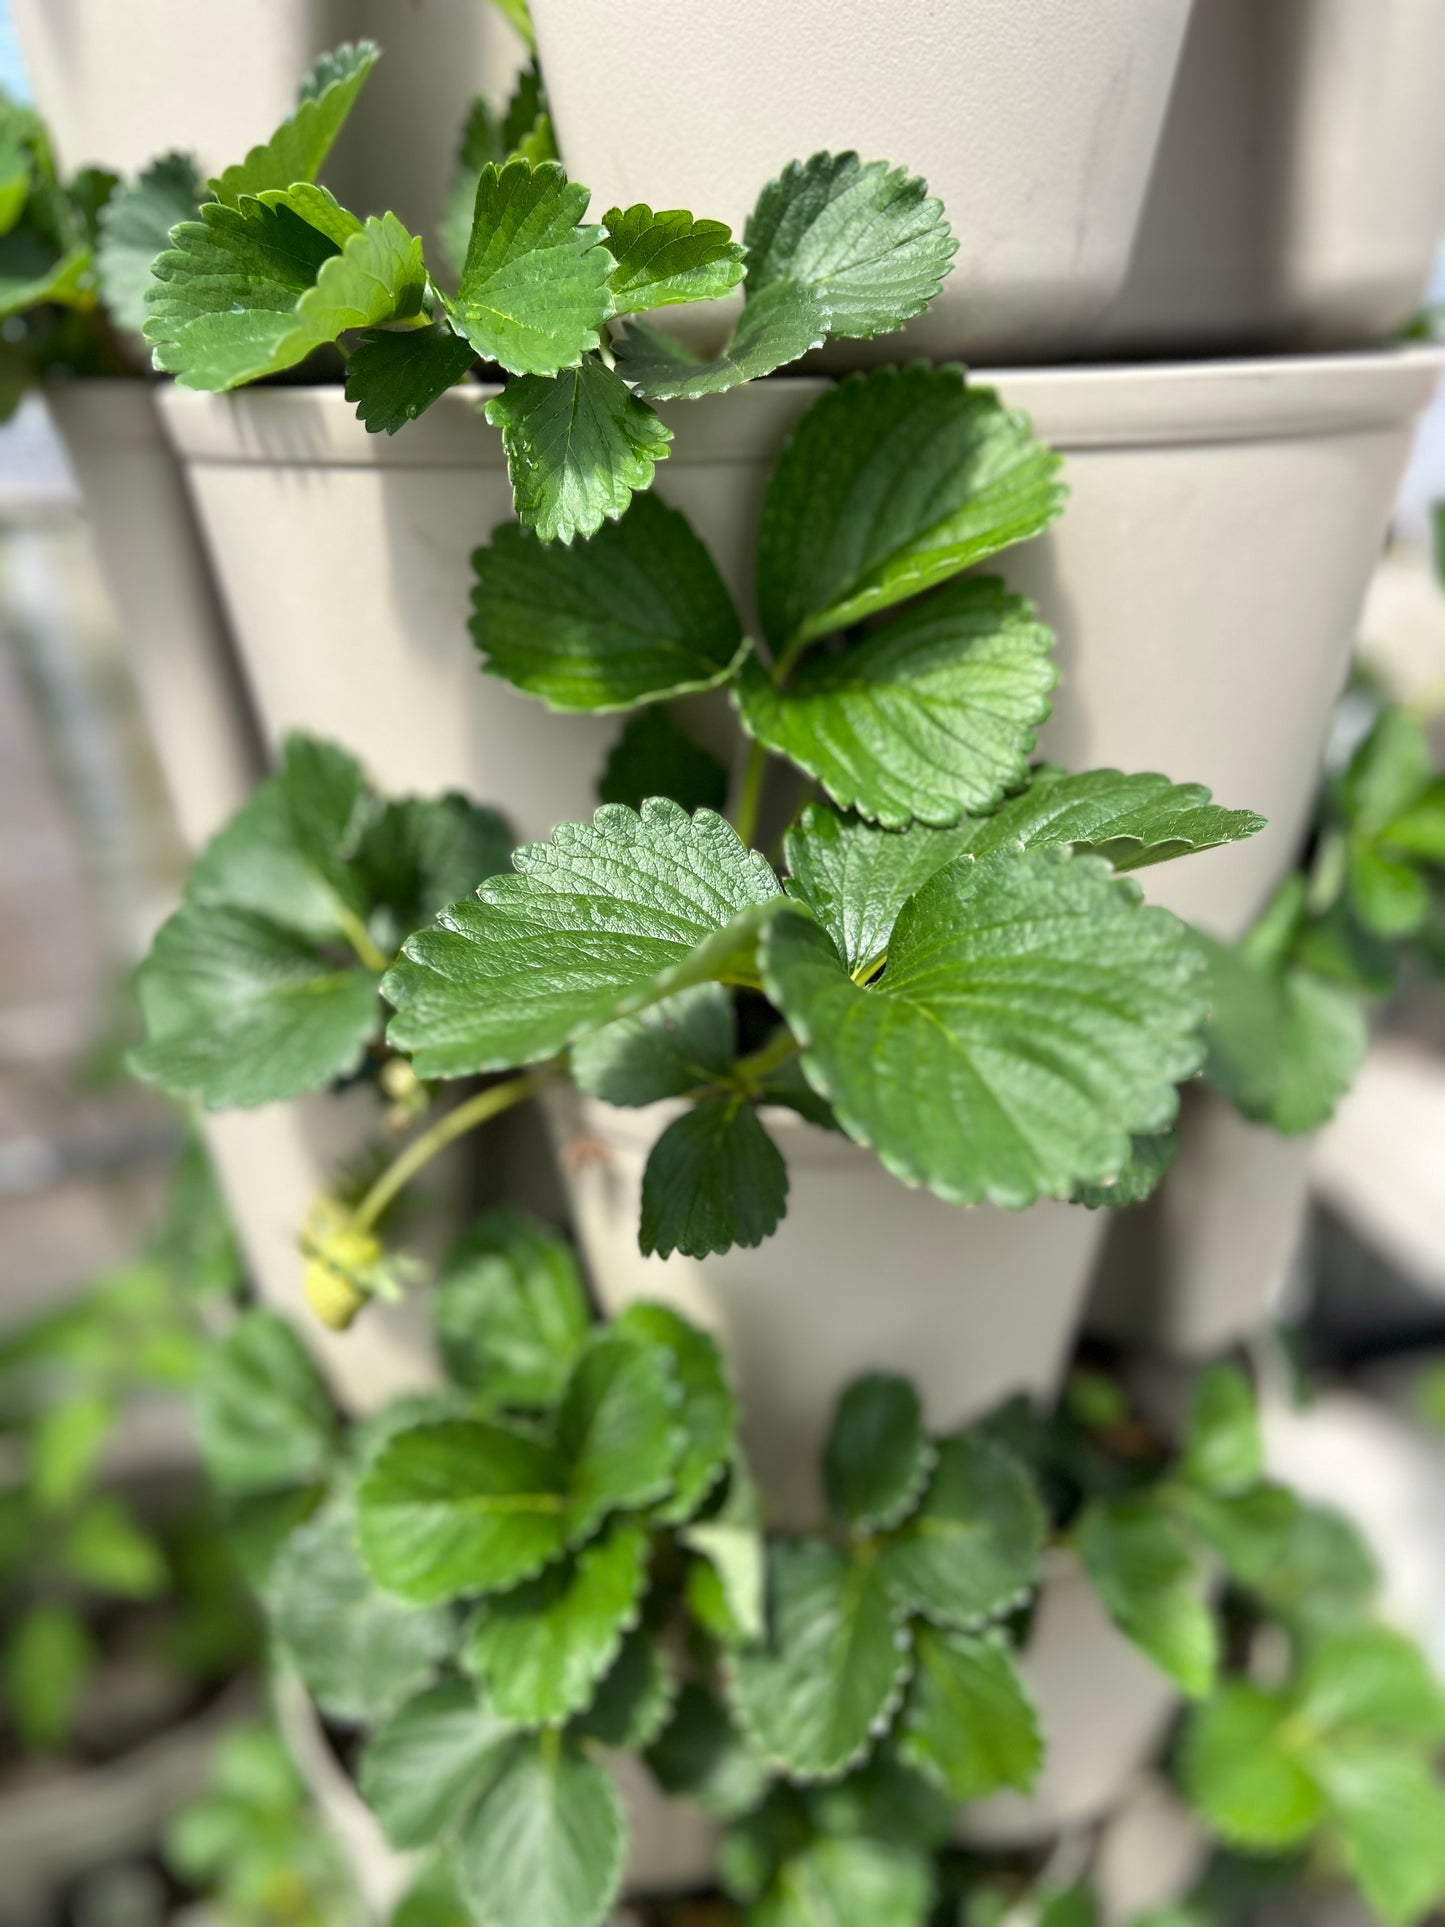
395,374
855,878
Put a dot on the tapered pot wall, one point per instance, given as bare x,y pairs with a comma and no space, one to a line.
1103,1710
1298,193
176,645
345,563
1201,1264
862,1275
1034,121
1206,578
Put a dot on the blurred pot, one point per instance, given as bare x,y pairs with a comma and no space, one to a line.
1201,1264
1207,575
154,566
862,1275
1035,122
1299,191
345,563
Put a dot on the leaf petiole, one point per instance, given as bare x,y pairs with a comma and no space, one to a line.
358,936
750,794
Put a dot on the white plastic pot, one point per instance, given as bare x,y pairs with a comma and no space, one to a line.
1299,190
1207,575
1202,1264
154,567
119,85
1034,121
345,562
862,1275
1103,1710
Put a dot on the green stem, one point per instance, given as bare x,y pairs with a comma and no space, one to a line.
466,1117
753,1071
750,796
788,661
359,937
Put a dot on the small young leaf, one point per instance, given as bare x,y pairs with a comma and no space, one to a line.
524,129
891,483
135,226
654,756
1390,1810
1251,1531
855,879
533,290
780,325
618,1430
1284,1046
668,257
603,920
1223,1447
1387,773
634,614
360,1652
106,1550
863,239
700,1755
1034,1016
1388,895
1238,1772
634,1700
46,1659
1129,820
394,375
511,1312
299,145
707,1411
969,1723
65,1444
726,1590
714,1179
971,1551
828,1680
1371,1677
1153,1588
848,1883
425,1766
263,1417
542,1649
667,1051
544,1846
578,445
877,1459
932,715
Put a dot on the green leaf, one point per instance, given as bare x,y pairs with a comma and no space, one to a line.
714,1179
653,756
47,1657
1371,1677
1132,821
634,1700
533,290
1387,773
263,1417
33,272
542,1649
299,145
66,1442
1223,1444
135,226
427,1763
1389,896
971,1551
1153,1588
254,289
864,240
523,129
634,614
775,328
414,857
668,257
877,1460
241,1012
360,1651
969,1723
618,1429
855,878
578,445
544,1847
511,1312
891,483
1238,1773
1251,1531
1390,1809
700,1755
520,17
1137,1178
394,375
707,1409
1324,1575
431,1900
1420,830
726,1591
106,1550
932,715
848,1883
830,1677
602,921
887,1802
1284,1045
667,1051
1034,1016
